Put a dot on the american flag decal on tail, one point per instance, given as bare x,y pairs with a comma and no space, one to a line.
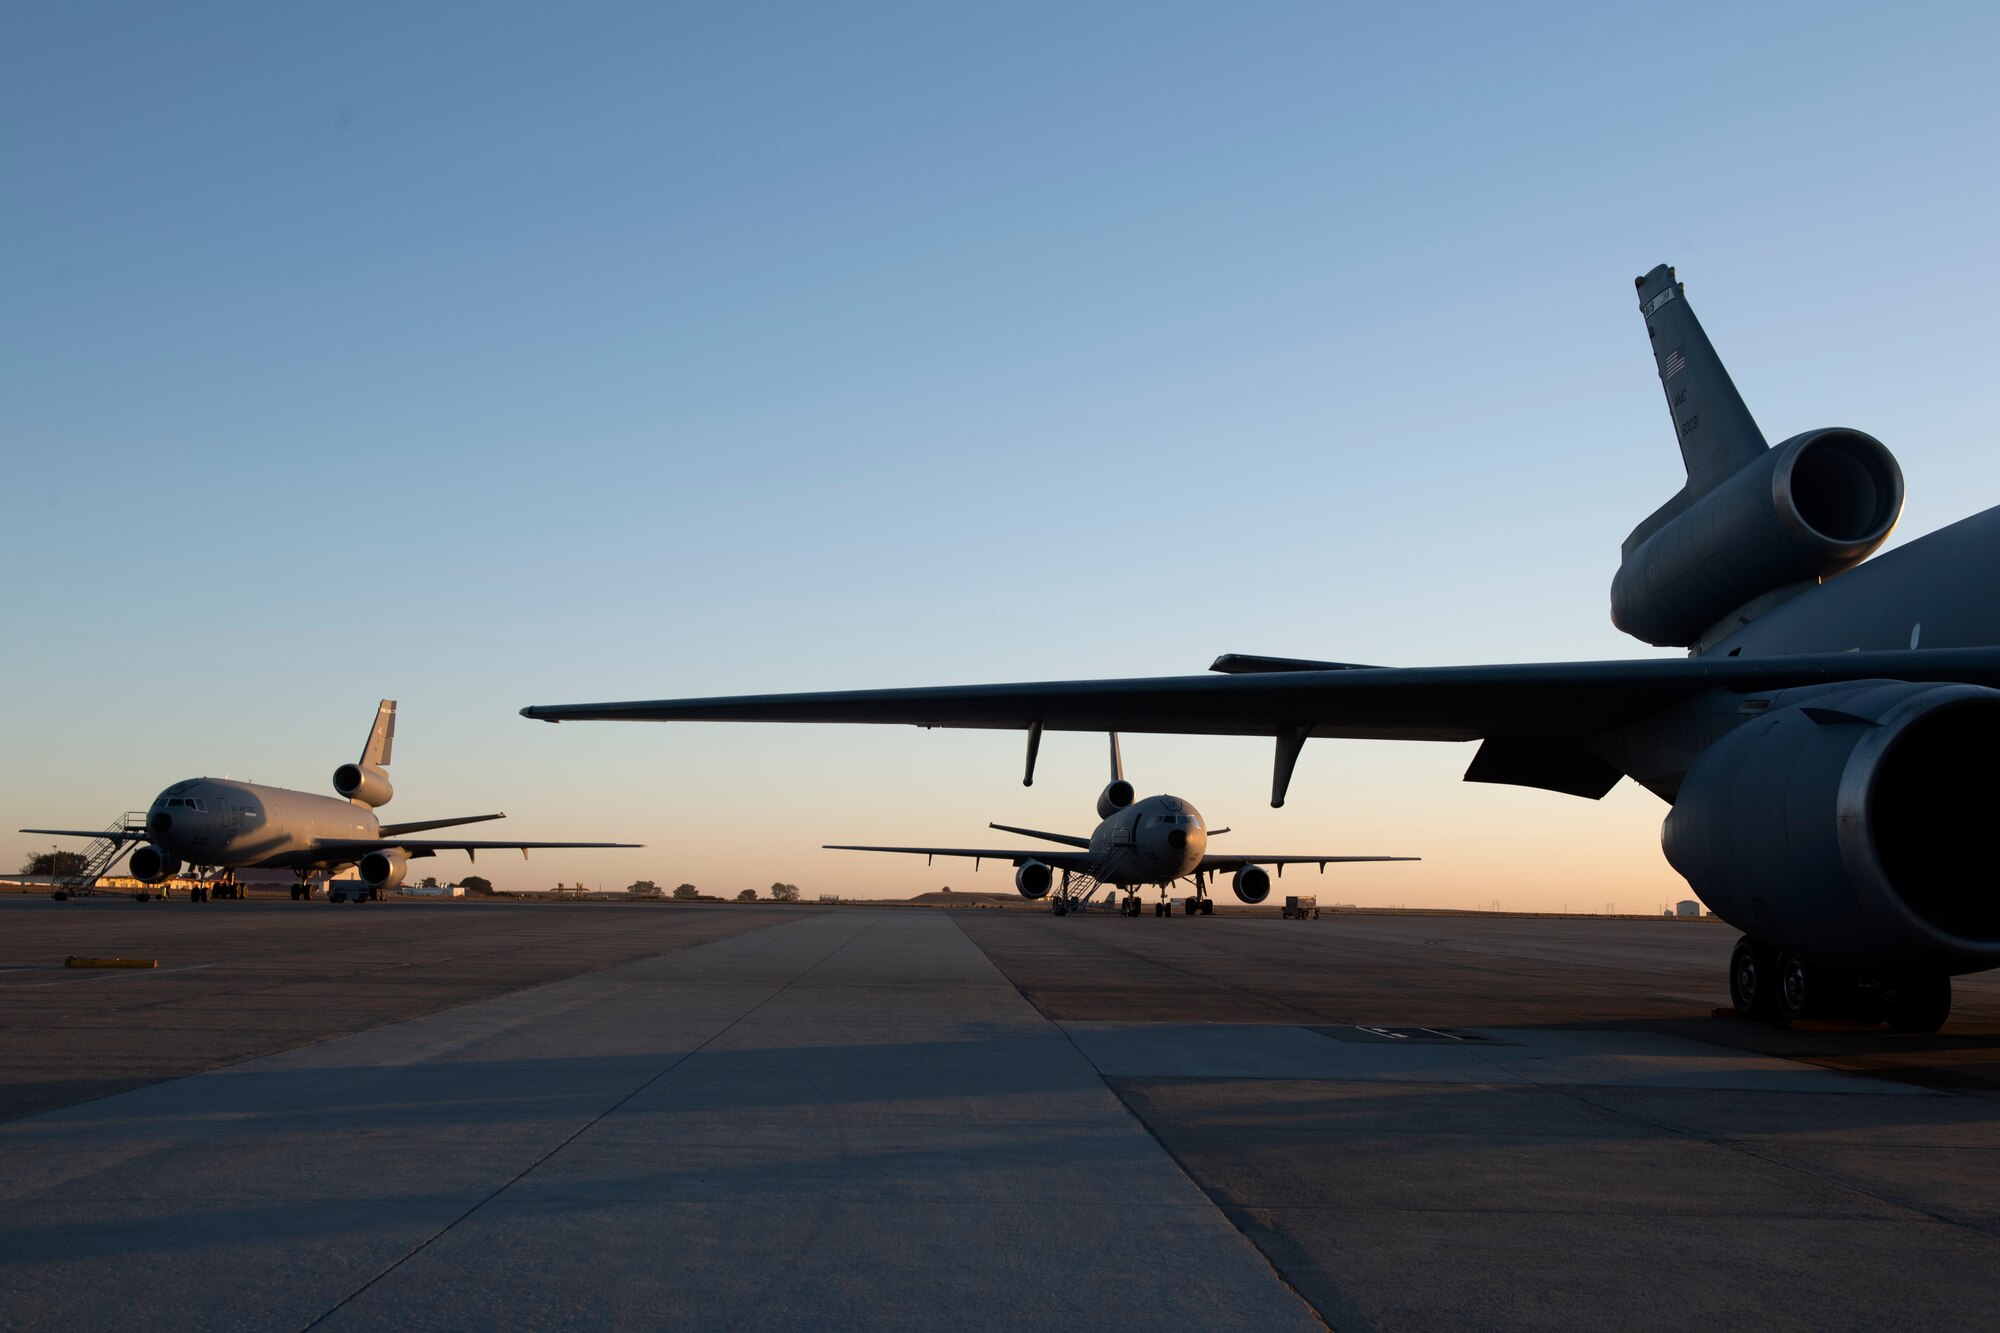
1676,363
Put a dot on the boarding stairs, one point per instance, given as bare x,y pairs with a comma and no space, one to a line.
103,853
1078,888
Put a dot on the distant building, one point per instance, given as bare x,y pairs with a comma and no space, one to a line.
829,897
434,891
1687,907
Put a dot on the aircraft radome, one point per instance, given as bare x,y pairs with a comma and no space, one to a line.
1825,745
1139,841
224,826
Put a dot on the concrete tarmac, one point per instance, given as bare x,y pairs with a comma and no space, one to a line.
892,1118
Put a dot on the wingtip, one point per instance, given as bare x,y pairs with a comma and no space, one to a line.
534,711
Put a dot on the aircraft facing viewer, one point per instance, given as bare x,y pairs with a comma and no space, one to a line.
1154,840
224,826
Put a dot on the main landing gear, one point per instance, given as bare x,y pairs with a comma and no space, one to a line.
222,885
1766,984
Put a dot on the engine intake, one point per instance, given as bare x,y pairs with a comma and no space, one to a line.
363,784
1808,509
1848,826
150,865
1115,798
1252,884
1033,879
384,870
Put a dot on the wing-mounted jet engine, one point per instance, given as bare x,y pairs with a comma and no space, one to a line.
150,865
1252,884
384,870
1033,879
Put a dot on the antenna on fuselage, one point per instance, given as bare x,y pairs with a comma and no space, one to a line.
1117,761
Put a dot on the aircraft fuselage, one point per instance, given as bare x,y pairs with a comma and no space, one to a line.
1156,840
241,825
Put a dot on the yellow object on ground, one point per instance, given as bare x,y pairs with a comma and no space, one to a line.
74,961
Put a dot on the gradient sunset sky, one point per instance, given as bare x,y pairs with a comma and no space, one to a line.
487,355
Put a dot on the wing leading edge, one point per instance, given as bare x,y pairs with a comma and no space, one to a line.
427,847
1538,700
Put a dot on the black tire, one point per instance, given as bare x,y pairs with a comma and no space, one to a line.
1797,989
1753,979
1920,1004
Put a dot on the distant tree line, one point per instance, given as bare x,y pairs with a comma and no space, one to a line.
53,863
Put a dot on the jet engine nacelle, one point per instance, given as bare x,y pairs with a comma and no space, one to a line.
1033,879
384,870
150,865
364,784
1850,826
1252,884
1813,506
1115,798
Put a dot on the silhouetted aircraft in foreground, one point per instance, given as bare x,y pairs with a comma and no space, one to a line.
1826,745
223,826
1154,840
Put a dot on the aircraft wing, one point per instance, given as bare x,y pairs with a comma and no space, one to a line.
115,835
1011,855
1459,703
1532,715
1221,864
359,847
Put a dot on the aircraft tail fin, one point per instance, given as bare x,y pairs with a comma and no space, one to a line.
1718,436
381,736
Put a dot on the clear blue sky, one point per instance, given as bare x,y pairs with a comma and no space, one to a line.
490,355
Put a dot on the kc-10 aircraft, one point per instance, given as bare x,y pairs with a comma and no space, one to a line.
1155,840
226,826
1826,745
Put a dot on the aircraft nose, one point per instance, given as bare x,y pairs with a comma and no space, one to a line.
1177,838
162,821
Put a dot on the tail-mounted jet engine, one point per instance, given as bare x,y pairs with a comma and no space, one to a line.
1252,884
1033,879
1806,510
363,784
383,870
150,865
1115,798
1849,827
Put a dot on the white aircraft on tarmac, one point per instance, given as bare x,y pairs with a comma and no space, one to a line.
1156,840
223,826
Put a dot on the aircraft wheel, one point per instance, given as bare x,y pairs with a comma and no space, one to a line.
1920,1004
1798,988
1753,979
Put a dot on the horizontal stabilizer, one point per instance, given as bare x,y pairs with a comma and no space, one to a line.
418,826
1011,855
1067,839
1245,664
115,835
